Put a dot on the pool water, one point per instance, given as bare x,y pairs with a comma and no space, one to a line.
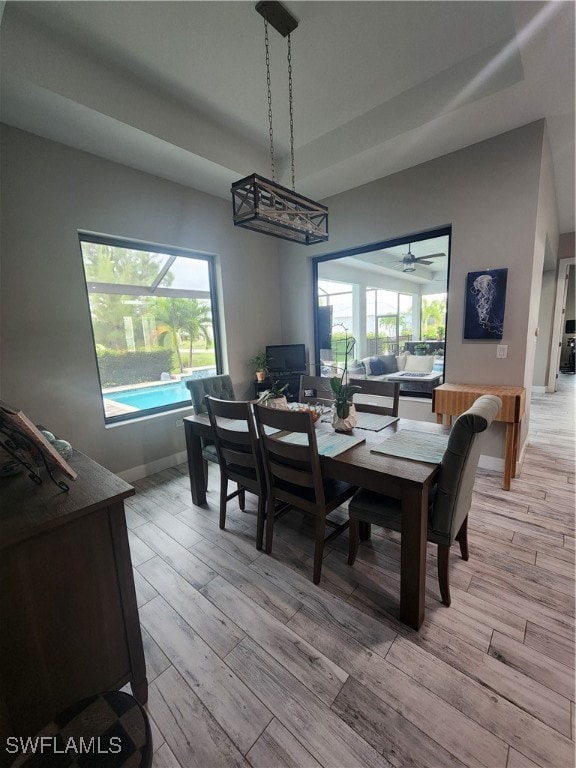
152,397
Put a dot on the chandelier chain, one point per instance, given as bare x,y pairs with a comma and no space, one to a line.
270,129
291,112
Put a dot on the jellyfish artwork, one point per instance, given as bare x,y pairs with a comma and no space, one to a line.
487,305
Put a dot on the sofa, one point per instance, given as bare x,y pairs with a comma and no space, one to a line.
417,374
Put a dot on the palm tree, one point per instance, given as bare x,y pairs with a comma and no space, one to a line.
196,321
172,316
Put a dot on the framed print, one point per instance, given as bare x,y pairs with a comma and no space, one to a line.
485,301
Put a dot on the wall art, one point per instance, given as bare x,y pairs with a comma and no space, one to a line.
485,302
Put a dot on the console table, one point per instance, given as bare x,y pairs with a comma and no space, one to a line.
68,612
453,399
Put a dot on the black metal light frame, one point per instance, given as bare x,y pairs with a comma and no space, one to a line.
264,205
268,207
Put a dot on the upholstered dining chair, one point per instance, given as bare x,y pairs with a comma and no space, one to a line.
238,454
294,475
450,499
215,386
387,389
316,390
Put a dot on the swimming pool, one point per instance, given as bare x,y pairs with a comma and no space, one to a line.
157,396
152,397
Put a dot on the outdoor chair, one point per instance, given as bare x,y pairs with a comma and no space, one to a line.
215,386
238,455
294,475
450,499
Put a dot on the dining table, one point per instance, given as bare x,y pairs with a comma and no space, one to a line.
363,465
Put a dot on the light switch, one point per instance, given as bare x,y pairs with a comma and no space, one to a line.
502,350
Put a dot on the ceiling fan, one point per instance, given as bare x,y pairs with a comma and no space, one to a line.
409,261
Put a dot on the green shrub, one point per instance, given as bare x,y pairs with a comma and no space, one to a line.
120,368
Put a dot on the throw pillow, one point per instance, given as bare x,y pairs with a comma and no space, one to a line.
377,366
419,363
438,366
389,363
401,360
367,367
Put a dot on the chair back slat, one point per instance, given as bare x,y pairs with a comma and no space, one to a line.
285,462
381,389
237,443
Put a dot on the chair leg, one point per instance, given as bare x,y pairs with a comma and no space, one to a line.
443,559
269,525
354,531
320,527
223,499
205,464
260,520
462,539
365,530
241,498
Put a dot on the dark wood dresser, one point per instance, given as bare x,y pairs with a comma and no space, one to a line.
68,614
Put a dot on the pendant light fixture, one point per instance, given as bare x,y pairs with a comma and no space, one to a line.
262,204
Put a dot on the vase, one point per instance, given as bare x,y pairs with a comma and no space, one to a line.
347,424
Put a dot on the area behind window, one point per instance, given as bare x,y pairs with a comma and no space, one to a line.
153,319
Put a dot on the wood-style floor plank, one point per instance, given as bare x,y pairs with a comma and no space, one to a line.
279,748
191,733
311,668
232,704
251,664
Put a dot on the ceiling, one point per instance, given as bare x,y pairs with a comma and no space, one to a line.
178,89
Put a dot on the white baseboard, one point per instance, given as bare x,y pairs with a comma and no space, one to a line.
539,390
492,463
143,470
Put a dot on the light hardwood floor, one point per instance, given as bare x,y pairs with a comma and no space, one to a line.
250,664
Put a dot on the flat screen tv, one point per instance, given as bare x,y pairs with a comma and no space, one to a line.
286,357
570,326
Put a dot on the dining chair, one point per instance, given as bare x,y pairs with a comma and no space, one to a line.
294,475
315,390
219,386
450,498
387,389
238,454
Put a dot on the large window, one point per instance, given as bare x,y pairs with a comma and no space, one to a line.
389,297
154,322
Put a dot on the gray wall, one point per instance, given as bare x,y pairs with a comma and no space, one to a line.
495,194
491,193
47,360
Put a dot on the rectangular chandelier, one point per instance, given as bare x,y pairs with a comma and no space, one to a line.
265,206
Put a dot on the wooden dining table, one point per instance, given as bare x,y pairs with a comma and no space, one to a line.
402,478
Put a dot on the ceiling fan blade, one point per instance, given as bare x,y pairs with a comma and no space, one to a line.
421,261
430,256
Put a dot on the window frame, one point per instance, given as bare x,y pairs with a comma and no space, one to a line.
120,242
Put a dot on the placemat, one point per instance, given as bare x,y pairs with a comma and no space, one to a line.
329,443
373,422
418,446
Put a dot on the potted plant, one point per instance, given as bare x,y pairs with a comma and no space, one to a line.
420,349
274,397
344,412
260,363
